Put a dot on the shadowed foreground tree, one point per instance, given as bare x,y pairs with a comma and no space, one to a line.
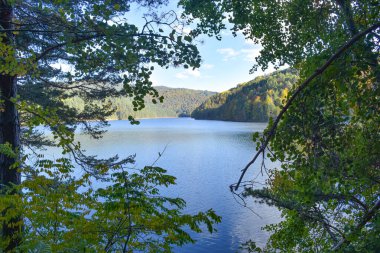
54,50
327,134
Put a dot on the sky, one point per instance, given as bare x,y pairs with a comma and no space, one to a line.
225,63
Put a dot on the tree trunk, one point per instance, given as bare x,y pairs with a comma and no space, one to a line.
9,134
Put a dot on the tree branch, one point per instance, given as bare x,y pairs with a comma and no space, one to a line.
45,31
359,226
317,72
78,40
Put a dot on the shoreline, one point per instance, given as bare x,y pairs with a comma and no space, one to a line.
150,118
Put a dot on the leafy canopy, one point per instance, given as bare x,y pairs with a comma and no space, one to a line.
328,185
255,101
51,51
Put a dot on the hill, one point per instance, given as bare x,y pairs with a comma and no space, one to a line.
253,101
178,102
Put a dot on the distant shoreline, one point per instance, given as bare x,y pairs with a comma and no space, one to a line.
236,121
162,118
152,118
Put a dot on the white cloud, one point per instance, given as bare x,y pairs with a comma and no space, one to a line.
250,54
207,66
228,53
249,42
188,73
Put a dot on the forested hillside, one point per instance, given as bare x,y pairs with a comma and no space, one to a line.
256,100
178,102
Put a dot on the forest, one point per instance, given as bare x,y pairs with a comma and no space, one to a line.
255,101
177,102
325,136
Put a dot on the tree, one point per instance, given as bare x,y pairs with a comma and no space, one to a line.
256,100
327,134
54,50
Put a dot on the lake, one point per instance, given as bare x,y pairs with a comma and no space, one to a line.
206,157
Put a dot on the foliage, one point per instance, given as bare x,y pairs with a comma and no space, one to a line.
328,186
107,206
53,51
178,102
256,100
67,213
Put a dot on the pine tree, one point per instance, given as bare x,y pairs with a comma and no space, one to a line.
54,50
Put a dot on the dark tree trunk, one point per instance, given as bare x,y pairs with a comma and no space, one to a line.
9,134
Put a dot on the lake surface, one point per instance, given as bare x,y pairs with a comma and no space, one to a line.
206,157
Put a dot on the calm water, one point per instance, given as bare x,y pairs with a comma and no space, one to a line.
206,157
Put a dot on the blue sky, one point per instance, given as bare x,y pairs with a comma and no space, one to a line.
225,64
